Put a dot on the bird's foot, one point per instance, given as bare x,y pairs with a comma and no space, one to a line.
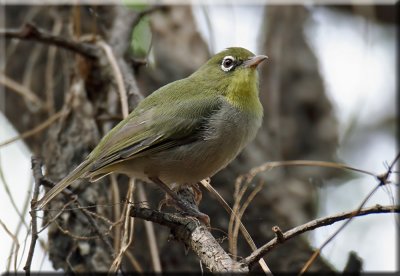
183,201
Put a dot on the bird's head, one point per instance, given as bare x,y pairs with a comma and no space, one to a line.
234,66
232,74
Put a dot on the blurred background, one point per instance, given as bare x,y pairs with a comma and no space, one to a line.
328,91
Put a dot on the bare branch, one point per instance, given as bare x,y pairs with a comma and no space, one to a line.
120,37
243,230
127,230
263,250
278,233
31,32
150,233
118,77
312,163
195,236
37,173
49,75
36,129
383,180
11,197
15,241
21,90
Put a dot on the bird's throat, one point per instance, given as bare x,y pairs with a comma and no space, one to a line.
243,92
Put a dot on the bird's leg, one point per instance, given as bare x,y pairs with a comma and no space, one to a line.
198,195
181,204
168,201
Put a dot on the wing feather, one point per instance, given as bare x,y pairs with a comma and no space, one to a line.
153,128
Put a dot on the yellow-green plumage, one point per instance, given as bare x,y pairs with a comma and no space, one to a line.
184,131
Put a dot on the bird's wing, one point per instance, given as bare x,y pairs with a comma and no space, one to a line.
174,115
154,129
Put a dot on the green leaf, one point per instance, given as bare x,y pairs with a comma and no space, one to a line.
141,38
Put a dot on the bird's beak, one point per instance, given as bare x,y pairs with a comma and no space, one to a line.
254,61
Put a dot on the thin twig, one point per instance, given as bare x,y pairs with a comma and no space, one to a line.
21,90
53,218
35,130
151,236
29,66
318,251
383,180
120,245
20,223
311,225
15,241
11,197
240,190
309,163
32,12
74,236
31,32
243,229
119,40
240,212
135,264
37,173
118,77
86,213
49,75
117,211
128,230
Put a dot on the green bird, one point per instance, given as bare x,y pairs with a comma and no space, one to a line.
183,132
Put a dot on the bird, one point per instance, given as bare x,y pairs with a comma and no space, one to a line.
183,132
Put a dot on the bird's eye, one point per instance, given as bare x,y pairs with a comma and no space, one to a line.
227,63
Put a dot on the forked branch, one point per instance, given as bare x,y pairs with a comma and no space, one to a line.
317,223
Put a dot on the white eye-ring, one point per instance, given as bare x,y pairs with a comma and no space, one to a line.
228,63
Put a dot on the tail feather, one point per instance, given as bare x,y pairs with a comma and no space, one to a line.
64,183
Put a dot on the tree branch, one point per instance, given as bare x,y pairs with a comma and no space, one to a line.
263,250
195,236
383,180
31,32
37,174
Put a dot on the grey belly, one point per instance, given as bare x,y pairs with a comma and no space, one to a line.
224,137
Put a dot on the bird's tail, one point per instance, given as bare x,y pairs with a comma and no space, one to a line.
64,183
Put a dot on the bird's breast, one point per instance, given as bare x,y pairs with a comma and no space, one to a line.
219,141
226,133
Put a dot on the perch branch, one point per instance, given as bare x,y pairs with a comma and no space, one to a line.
195,236
263,250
